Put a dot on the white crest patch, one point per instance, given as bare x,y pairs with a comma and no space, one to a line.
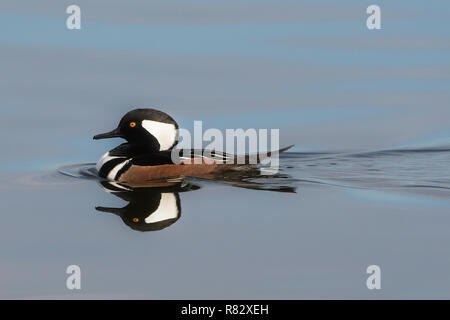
167,209
165,133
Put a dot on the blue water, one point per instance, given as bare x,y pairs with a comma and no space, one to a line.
367,182
308,231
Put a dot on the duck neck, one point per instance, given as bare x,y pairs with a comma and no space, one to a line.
134,149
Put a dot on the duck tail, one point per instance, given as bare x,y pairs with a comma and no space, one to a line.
255,158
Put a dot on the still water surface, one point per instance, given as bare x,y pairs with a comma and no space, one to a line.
368,183
309,231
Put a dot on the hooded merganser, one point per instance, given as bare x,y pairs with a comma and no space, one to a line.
147,155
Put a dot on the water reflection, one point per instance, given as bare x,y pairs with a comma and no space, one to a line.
156,205
150,207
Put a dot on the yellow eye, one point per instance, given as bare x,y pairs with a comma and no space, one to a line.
132,124
135,220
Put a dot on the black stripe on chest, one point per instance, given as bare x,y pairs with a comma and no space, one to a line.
108,166
122,170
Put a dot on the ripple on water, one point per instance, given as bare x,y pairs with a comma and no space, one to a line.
387,169
80,171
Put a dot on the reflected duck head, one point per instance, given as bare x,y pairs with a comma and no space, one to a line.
149,208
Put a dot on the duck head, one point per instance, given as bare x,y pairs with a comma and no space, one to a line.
149,127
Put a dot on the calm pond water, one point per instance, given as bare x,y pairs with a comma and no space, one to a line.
309,231
367,183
